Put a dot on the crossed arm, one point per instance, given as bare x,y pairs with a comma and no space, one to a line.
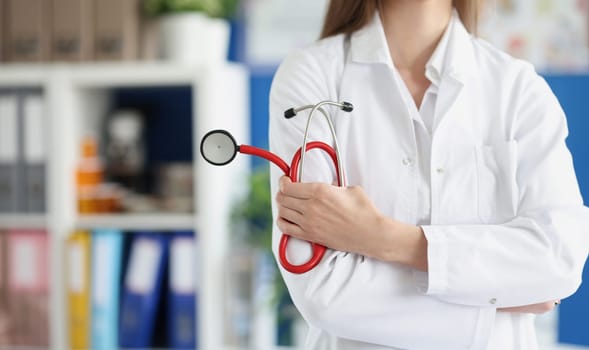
345,219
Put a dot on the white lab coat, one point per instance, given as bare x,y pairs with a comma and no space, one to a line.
508,226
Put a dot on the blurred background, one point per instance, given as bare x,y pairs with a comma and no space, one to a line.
114,233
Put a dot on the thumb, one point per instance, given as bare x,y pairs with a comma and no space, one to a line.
284,181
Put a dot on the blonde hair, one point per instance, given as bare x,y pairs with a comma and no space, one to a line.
347,16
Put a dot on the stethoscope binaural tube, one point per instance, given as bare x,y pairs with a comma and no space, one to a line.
344,106
218,147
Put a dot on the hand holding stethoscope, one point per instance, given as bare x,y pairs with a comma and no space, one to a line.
218,147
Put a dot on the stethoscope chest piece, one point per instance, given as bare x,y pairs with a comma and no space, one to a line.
218,147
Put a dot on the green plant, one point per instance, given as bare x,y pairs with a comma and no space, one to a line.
252,221
213,8
254,212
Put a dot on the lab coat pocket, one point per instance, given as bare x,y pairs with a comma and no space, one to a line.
496,181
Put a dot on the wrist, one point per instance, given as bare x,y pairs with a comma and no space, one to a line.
385,248
404,244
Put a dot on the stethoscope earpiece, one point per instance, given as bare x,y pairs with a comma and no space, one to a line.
289,113
347,106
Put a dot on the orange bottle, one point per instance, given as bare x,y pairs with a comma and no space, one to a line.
89,176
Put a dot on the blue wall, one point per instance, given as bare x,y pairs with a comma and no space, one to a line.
260,82
573,94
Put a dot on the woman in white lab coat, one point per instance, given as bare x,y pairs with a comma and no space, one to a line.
462,218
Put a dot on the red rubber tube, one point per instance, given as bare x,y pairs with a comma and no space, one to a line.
255,151
292,172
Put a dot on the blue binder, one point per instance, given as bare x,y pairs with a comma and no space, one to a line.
141,289
107,246
182,292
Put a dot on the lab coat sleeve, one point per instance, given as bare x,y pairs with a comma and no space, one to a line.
347,295
538,255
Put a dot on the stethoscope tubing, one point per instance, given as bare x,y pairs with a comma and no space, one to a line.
220,156
293,173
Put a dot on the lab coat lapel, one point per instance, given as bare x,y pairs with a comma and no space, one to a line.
451,104
448,99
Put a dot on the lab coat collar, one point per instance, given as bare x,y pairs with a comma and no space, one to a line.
435,66
454,55
369,44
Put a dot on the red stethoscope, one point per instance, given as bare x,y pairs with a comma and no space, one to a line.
218,147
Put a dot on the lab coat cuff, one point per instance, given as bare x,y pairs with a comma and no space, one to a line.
437,260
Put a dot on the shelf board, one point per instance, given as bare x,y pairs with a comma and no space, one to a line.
23,75
107,74
129,74
134,222
9,221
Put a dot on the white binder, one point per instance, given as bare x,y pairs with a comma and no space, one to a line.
35,151
11,188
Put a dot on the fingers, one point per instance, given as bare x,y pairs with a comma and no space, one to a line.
539,308
291,202
290,215
297,189
289,228
546,307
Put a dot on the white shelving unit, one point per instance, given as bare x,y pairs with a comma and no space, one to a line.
136,222
23,220
77,96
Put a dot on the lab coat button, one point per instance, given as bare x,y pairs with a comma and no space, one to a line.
407,161
440,171
493,300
